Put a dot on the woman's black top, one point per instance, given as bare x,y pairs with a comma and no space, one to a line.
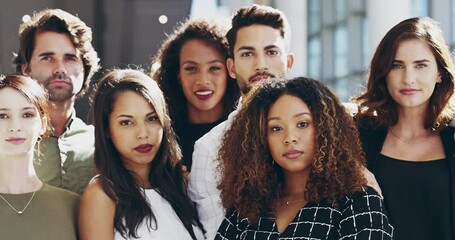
416,197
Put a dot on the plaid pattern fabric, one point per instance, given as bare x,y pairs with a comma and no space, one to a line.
361,216
204,177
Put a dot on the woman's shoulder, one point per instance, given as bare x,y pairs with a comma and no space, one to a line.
95,194
53,192
367,196
364,216
94,199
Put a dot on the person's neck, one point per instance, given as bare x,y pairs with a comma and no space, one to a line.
17,175
141,175
209,116
60,113
410,127
295,185
411,120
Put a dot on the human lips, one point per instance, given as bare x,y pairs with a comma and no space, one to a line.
59,82
408,91
15,140
204,94
291,154
261,77
144,148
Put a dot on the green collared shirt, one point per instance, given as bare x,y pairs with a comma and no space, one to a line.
67,161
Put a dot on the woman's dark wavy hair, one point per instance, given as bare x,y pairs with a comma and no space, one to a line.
117,181
252,183
31,90
377,107
168,58
57,20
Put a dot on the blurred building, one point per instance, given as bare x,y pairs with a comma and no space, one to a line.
333,40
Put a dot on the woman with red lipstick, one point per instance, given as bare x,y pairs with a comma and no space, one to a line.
193,76
403,122
140,191
29,208
296,172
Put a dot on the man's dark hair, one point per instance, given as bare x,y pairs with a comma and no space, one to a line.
262,15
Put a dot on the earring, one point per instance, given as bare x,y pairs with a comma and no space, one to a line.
39,138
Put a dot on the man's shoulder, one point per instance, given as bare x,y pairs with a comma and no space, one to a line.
215,135
78,126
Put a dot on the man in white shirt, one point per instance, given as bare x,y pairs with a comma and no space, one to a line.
259,43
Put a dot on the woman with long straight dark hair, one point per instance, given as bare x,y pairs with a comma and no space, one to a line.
140,191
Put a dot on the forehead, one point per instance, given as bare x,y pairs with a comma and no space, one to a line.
414,49
259,36
288,105
11,98
130,102
54,42
200,49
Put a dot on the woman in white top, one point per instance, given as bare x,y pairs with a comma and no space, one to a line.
140,192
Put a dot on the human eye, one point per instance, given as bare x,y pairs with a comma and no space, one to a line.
246,54
275,128
46,58
272,52
421,65
190,69
28,115
303,124
126,122
152,118
215,68
71,58
3,116
397,66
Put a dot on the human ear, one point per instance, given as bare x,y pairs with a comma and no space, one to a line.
231,68
25,69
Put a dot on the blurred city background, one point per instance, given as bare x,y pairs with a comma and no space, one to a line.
333,40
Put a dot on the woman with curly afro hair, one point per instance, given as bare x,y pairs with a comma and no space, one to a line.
296,171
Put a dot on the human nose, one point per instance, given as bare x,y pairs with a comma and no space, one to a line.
14,126
261,63
142,132
59,68
203,78
289,137
409,77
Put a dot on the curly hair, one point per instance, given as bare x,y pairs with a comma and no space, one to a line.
168,58
57,20
252,183
377,107
165,174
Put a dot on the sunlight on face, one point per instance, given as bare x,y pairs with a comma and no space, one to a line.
414,74
20,123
